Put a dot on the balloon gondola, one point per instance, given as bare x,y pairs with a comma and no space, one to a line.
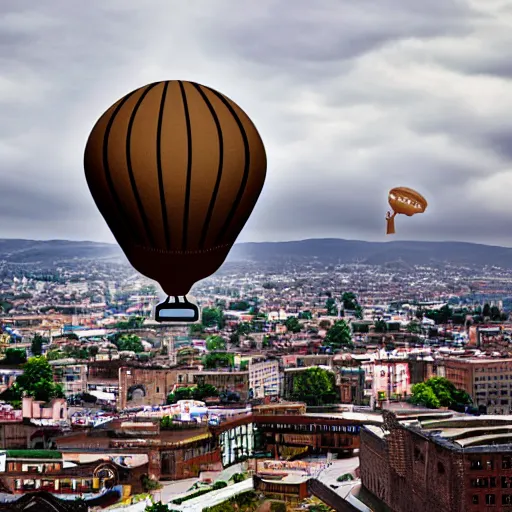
405,201
177,309
175,168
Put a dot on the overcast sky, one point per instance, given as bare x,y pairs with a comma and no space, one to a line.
351,97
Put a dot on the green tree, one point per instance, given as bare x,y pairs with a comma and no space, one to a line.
234,339
212,317
315,386
180,394
486,311
243,329
240,305
93,351
495,313
330,305
380,326
349,300
37,380
413,327
439,392
203,391
358,312
15,356
218,360
36,346
215,343
129,342
306,315
422,394
339,335
293,325
157,507
195,329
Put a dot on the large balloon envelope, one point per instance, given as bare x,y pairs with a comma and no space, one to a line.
405,201
175,168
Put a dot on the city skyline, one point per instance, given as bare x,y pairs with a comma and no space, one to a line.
350,100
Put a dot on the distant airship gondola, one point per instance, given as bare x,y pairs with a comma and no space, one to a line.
175,168
405,201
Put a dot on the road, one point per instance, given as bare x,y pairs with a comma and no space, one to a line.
339,467
213,498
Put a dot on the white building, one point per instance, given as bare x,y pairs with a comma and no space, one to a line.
264,378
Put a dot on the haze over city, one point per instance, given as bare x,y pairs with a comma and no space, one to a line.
351,99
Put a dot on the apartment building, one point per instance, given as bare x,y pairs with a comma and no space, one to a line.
488,381
264,379
72,377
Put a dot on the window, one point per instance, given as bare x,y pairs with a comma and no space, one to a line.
476,464
506,499
157,389
492,482
490,499
489,464
475,499
505,483
440,468
506,462
479,482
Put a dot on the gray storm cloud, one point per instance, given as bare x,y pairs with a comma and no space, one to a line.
351,99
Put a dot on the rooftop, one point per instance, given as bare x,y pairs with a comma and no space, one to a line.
456,431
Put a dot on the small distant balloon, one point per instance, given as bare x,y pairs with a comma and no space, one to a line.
404,201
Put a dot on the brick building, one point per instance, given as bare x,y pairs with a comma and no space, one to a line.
150,386
487,380
441,461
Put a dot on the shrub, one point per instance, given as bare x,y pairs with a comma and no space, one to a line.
278,506
219,485
238,477
345,478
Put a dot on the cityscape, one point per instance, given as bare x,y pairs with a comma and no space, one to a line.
255,256
311,385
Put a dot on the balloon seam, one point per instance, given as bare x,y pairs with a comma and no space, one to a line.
106,165
247,162
186,211
219,169
163,204
131,176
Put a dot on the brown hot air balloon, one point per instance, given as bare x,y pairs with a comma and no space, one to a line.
405,201
175,168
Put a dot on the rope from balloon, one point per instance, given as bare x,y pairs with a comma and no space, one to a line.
390,218
179,309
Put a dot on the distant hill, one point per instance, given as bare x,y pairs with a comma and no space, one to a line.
328,250
332,250
48,251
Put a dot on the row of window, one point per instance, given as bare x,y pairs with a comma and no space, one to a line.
506,463
506,482
490,499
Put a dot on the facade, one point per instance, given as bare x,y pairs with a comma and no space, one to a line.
390,379
72,377
150,386
23,471
446,461
264,379
487,381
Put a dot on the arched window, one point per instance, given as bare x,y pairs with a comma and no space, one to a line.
440,468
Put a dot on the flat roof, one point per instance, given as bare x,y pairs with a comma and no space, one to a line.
346,415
